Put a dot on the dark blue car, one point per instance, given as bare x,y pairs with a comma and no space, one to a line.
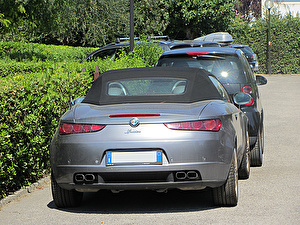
232,69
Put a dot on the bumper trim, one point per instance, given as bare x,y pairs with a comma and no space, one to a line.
191,185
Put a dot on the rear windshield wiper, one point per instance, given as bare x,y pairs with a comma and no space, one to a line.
210,57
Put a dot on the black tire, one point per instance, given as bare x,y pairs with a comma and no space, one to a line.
227,194
256,154
244,169
64,198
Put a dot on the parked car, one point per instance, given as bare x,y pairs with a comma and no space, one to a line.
250,55
112,50
151,129
225,40
231,67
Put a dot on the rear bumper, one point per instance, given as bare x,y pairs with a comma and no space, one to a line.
207,154
143,177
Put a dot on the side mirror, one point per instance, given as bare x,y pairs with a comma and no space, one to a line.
242,98
77,100
261,80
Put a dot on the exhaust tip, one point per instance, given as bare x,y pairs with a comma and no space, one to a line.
187,175
85,178
79,178
193,175
180,175
89,177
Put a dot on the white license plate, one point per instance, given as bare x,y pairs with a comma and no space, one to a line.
136,157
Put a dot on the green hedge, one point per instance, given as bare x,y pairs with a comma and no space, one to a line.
285,42
25,52
32,99
20,58
11,68
30,108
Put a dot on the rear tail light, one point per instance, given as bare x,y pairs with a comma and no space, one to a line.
199,125
73,128
248,90
251,102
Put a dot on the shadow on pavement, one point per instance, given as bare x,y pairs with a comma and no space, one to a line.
127,202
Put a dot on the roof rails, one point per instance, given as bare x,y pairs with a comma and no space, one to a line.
119,40
166,38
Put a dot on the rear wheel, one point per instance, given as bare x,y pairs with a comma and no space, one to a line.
64,198
256,154
227,194
244,169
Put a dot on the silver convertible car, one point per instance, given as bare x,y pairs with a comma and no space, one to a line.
152,129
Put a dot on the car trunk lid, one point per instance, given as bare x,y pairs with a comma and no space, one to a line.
122,113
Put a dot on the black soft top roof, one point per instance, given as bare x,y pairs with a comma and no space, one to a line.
199,87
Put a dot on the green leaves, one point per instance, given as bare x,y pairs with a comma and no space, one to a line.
151,17
99,22
94,22
34,94
285,42
30,111
190,19
4,22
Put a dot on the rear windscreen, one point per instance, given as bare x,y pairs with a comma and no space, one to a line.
147,86
228,69
152,85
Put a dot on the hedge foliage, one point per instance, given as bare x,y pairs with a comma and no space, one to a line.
20,58
24,52
30,108
285,42
34,96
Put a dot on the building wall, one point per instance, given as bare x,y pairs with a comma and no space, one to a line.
284,7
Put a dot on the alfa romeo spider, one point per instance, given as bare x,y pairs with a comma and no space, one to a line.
152,129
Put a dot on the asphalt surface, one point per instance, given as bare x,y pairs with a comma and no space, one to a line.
270,196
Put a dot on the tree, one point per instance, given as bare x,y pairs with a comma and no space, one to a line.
194,18
11,14
249,8
29,18
99,22
90,23
151,17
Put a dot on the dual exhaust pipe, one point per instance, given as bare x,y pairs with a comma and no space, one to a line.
182,175
187,175
81,178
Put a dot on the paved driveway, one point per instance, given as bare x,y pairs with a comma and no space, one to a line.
270,196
